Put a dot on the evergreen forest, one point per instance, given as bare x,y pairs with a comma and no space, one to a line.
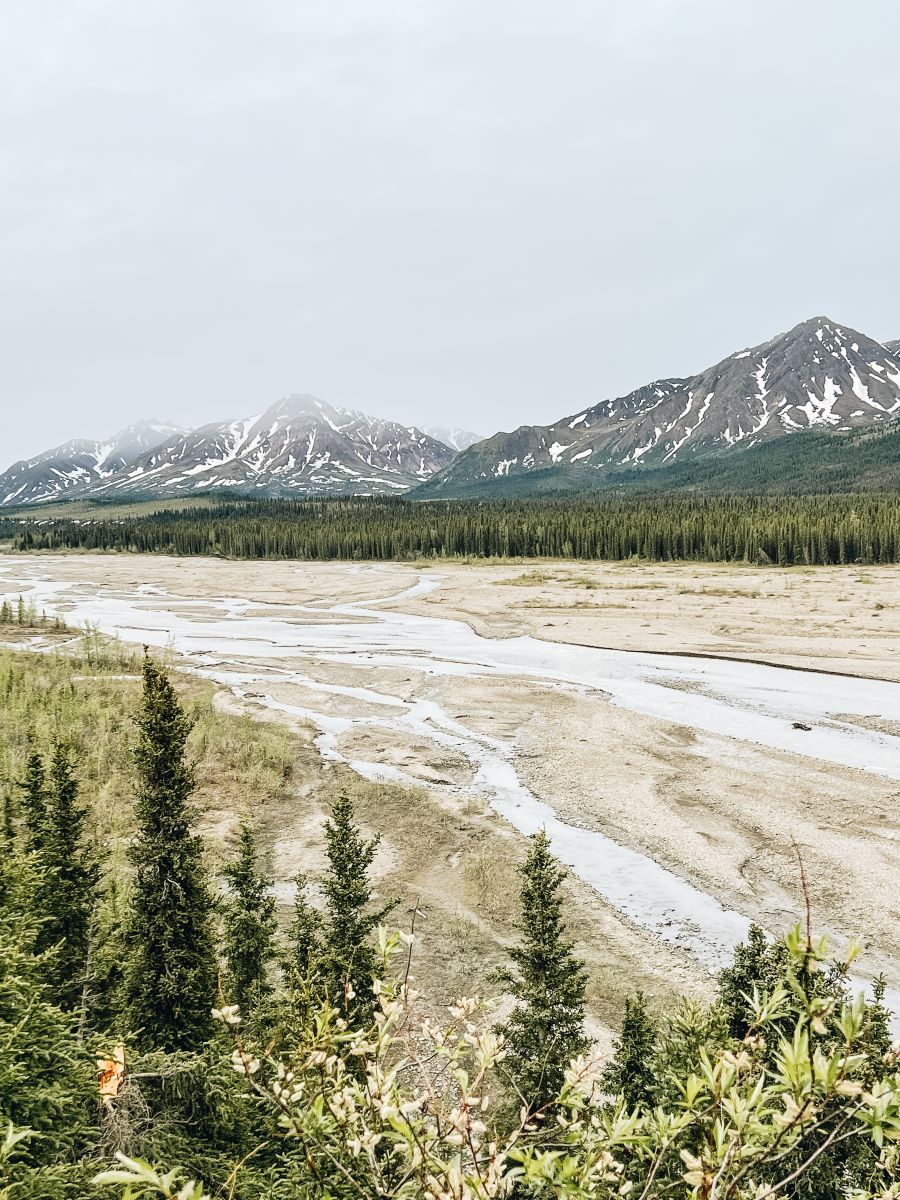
781,530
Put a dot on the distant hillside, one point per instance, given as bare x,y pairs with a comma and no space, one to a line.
819,375
863,460
815,461
455,438
80,465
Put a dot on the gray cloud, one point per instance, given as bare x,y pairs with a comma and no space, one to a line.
446,212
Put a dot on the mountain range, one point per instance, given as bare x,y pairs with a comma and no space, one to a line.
80,466
821,378
300,446
818,376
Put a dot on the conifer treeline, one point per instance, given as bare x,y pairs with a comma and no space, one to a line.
784,530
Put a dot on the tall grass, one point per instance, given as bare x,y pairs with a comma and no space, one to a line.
87,693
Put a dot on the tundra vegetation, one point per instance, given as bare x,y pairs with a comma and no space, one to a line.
239,1059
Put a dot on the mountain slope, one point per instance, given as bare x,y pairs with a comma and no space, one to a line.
299,446
78,466
812,461
819,375
456,439
816,460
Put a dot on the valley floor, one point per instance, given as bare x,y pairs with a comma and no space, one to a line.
423,738
844,619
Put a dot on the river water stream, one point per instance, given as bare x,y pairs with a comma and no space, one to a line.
250,646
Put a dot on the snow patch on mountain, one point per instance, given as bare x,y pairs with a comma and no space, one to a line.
818,375
78,465
300,446
456,439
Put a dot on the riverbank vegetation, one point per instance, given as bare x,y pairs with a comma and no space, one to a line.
20,618
781,530
246,1059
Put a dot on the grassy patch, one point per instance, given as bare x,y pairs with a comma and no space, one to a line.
528,579
85,694
735,593
444,856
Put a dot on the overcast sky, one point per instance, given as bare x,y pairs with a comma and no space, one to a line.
481,212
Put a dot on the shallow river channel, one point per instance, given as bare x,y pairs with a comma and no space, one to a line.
244,645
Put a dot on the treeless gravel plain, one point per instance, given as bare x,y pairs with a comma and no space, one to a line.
824,618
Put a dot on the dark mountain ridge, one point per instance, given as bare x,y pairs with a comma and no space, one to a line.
819,375
814,461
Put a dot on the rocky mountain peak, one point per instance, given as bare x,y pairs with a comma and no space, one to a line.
298,446
818,374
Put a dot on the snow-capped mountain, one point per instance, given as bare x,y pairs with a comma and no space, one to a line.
300,446
80,465
820,374
456,439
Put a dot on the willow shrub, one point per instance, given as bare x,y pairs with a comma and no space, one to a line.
405,1109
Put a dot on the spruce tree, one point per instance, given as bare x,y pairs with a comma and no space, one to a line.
303,959
108,954
758,964
301,964
46,1075
632,1071
546,1029
33,787
249,926
304,935
70,876
170,976
349,958
8,819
